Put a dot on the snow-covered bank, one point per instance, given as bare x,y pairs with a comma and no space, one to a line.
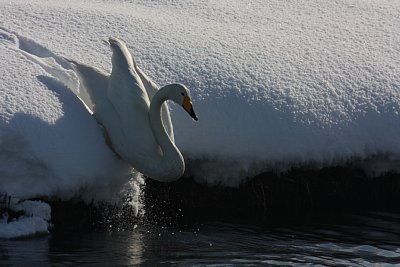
275,85
34,218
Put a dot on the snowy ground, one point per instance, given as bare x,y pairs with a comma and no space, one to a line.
34,221
275,85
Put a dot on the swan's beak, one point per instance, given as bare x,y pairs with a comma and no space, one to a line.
188,106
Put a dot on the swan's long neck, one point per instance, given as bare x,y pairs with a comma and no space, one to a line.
171,165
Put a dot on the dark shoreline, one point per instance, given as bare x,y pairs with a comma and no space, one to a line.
296,198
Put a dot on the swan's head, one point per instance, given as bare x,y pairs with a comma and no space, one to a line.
181,95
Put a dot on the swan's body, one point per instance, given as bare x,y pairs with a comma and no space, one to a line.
132,110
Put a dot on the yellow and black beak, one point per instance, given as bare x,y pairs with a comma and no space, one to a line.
188,106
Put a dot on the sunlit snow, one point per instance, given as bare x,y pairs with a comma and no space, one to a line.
275,84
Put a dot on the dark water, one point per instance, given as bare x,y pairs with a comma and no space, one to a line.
360,240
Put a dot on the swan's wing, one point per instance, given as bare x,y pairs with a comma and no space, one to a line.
151,89
123,61
130,132
124,69
92,85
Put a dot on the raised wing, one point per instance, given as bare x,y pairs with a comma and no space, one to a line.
151,89
131,103
92,85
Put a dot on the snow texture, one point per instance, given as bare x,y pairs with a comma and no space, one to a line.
34,221
275,85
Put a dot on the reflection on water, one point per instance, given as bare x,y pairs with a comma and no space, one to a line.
367,240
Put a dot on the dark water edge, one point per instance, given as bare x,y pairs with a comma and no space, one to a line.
331,217
297,197
268,200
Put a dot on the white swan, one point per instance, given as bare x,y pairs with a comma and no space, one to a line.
140,133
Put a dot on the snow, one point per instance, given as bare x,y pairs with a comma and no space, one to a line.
275,85
34,221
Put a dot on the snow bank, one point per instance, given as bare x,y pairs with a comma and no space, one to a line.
275,85
34,221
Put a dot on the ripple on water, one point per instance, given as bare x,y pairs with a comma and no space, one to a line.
367,241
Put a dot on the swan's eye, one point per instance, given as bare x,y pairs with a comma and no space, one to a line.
182,94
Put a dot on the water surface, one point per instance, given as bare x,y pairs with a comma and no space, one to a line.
361,240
